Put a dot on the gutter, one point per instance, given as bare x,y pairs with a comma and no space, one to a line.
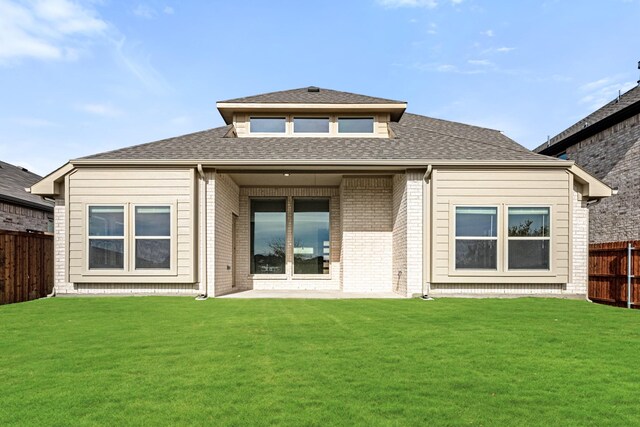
404,163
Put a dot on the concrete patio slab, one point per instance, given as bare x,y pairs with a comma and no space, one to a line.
302,294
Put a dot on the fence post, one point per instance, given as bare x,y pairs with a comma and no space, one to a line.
629,293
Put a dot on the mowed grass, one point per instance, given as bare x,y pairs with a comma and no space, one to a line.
176,361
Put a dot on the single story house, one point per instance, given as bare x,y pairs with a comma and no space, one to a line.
606,143
318,189
19,210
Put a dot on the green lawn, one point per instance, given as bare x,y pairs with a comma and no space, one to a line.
176,361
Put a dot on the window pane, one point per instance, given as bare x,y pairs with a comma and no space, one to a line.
106,221
268,236
153,221
153,253
311,236
267,124
355,125
106,253
528,222
476,221
311,124
476,254
528,254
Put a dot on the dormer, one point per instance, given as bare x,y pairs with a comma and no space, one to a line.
311,112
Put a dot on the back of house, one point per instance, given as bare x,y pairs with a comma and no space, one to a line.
317,189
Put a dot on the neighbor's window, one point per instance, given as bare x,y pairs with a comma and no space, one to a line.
476,238
153,237
267,124
268,236
563,156
355,125
311,125
529,238
106,237
311,236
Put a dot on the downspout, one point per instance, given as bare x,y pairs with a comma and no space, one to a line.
202,209
425,242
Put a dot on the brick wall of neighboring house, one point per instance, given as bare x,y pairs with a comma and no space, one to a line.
20,218
613,156
367,233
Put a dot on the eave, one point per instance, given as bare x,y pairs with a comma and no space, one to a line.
227,109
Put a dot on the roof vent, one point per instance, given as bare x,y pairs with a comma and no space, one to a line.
24,169
313,89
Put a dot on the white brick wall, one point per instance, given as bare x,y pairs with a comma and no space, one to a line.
367,233
61,286
580,262
399,269
222,200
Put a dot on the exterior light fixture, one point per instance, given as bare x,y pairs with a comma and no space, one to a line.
286,174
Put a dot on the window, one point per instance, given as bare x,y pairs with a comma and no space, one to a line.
563,156
106,237
311,236
311,125
153,237
267,124
355,125
476,238
529,238
268,236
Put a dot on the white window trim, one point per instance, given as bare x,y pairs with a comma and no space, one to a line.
509,238
496,239
135,237
503,254
88,239
129,242
333,126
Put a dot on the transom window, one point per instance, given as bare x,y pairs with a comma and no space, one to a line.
355,124
311,124
529,238
268,124
476,238
106,237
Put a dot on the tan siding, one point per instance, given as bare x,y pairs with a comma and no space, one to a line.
500,188
131,186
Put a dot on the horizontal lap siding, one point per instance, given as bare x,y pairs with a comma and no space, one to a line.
138,186
500,188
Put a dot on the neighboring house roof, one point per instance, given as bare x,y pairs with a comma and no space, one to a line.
627,105
14,180
414,137
306,96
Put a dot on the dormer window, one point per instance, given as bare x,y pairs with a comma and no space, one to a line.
268,124
311,125
355,124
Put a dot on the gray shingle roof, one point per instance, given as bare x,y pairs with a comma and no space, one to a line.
626,99
415,137
13,181
304,96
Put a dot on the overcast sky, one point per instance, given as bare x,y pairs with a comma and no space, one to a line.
82,77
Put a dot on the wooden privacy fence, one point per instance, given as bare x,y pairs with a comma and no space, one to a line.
26,266
609,268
